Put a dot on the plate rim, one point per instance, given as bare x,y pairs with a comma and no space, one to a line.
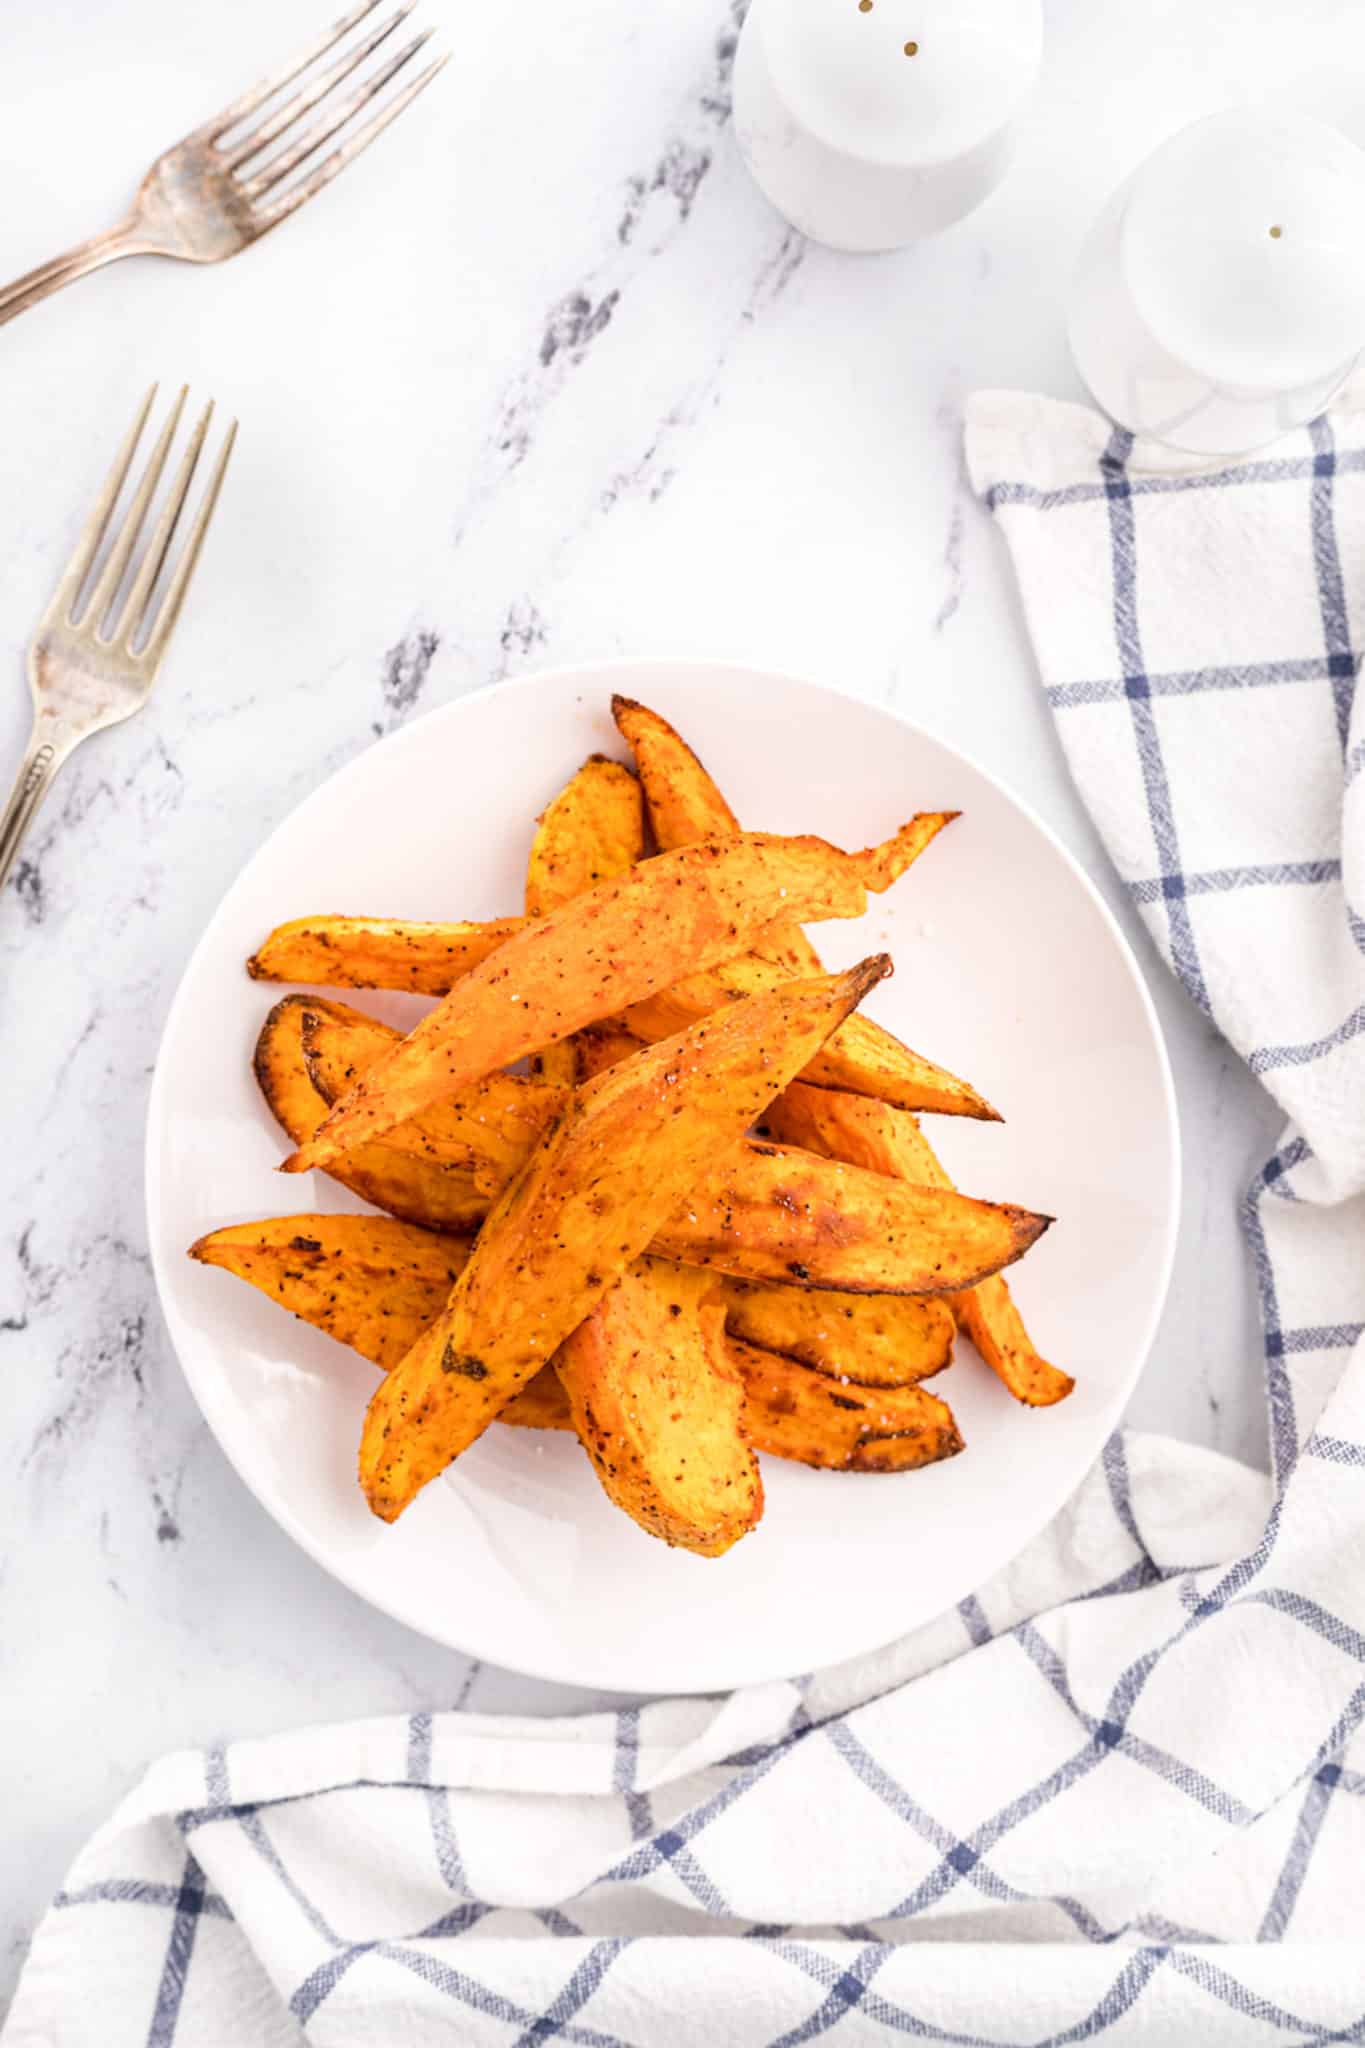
590,673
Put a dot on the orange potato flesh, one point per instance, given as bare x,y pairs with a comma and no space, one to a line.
587,1203
659,1408
594,829
846,1428
890,1142
378,952
623,940
859,1232
369,1281
685,805
487,1131
421,1190
375,1285
762,1213
861,1057
882,1340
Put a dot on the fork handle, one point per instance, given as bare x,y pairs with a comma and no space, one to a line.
39,284
47,749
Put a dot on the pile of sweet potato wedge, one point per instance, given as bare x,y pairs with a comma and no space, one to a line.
648,1174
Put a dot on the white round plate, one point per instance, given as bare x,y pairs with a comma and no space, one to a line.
1009,970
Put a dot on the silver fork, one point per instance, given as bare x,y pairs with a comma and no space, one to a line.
83,678
200,202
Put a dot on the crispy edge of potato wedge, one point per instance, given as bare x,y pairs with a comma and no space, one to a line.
370,1282
861,1232
802,1415
422,1191
879,1340
424,959
889,1141
766,1214
585,1206
862,1058
621,941
659,1408
593,829
367,1282
685,803
486,1131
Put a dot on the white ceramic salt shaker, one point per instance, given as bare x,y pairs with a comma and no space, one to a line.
1220,298
870,123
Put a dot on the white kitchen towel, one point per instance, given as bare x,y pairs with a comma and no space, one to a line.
1118,1795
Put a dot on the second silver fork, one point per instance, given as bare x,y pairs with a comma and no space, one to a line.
83,677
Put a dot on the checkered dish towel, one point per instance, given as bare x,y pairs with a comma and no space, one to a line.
1117,1796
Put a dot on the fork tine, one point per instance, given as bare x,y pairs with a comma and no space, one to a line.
121,553
249,101
323,131
92,533
289,202
293,109
131,616
184,568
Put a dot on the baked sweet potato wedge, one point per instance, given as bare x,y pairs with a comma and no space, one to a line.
375,1285
890,1142
882,1340
685,804
622,941
369,1281
593,830
659,1408
859,1232
861,1057
420,1190
487,1131
585,1206
378,952
761,1212
801,1414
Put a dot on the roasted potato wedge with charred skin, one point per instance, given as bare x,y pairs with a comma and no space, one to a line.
860,1232
425,1191
369,1281
882,1340
764,1213
622,941
583,1209
593,830
378,952
800,1414
889,1142
659,1408
860,1058
375,1284
487,1131
684,800
685,804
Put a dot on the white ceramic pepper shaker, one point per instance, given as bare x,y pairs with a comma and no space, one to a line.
1220,298
871,123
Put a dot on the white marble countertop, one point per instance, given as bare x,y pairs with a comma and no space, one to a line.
542,379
